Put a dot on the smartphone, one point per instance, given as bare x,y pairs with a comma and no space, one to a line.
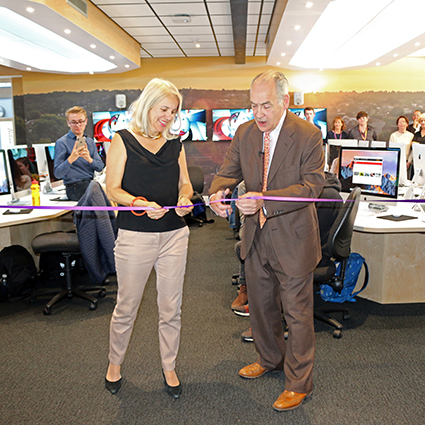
81,142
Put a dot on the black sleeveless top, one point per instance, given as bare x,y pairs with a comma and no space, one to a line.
156,178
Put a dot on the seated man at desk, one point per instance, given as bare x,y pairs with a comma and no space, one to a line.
76,164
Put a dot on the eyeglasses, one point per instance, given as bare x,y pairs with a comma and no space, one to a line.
79,122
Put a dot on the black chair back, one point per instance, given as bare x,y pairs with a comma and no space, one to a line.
196,176
341,233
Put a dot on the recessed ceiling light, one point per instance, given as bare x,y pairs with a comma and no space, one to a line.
378,63
91,72
28,68
283,54
197,45
30,9
277,63
297,27
67,31
93,46
395,55
309,4
289,43
112,57
320,69
127,66
417,43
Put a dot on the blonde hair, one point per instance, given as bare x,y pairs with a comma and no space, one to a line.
155,92
75,110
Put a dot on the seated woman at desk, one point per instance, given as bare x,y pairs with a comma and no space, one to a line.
419,136
337,131
403,136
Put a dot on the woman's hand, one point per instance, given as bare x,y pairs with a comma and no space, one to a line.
184,200
157,213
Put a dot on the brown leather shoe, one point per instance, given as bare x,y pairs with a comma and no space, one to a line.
241,299
252,371
289,400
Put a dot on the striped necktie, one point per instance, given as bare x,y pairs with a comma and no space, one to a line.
266,161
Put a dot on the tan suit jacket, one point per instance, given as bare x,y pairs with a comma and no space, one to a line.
296,171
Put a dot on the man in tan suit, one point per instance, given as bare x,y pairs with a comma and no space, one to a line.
280,244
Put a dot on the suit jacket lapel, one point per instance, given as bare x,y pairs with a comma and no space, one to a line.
284,143
256,148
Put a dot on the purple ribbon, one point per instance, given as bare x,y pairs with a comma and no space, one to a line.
134,208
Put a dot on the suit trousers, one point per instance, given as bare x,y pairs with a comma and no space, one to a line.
135,255
269,289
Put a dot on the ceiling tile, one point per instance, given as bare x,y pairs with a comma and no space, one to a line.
129,10
170,9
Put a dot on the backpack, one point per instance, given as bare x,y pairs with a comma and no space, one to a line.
355,262
18,266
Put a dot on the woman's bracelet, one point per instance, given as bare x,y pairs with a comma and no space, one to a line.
132,204
181,196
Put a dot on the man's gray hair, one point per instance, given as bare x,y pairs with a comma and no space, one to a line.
281,83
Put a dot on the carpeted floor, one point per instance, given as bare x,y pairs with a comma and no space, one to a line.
52,367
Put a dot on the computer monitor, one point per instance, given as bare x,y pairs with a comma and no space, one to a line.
50,157
374,170
320,118
334,149
191,125
4,175
101,151
107,123
227,121
23,170
418,163
403,169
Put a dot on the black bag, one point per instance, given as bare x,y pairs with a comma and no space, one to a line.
18,266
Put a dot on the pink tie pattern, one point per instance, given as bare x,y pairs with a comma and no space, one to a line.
266,160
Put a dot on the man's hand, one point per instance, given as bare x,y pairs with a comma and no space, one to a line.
249,206
184,200
84,153
75,154
223,210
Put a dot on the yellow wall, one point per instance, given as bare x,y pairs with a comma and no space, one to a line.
221,73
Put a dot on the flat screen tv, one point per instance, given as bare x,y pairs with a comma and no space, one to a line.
50,157
191,125
227,121
106,123
320,118
374,170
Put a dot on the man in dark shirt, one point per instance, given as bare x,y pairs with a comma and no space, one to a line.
414,127
76,165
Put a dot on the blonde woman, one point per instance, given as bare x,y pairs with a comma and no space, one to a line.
147,167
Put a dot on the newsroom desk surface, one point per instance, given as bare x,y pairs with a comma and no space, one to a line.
394,252
20,229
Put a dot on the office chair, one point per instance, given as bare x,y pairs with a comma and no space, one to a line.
68,246
198,214
339,248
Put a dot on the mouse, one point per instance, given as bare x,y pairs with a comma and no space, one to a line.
396,214
14,211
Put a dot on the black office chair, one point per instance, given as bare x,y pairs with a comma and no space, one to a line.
198,214
68,246
339,248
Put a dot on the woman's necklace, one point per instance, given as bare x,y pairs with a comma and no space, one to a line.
151,138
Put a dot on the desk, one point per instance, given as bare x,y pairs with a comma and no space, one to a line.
20,229
394,252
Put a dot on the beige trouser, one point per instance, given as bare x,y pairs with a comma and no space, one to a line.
135,255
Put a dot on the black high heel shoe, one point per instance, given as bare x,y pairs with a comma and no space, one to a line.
113,387
174,392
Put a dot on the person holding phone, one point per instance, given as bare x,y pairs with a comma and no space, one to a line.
76,156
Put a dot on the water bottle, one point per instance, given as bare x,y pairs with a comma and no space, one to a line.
35,193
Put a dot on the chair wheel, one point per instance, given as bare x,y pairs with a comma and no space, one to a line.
200,224
346,316
93,306
102,293
47,311
337,334
285,335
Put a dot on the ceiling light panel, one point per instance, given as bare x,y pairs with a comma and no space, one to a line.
26,42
